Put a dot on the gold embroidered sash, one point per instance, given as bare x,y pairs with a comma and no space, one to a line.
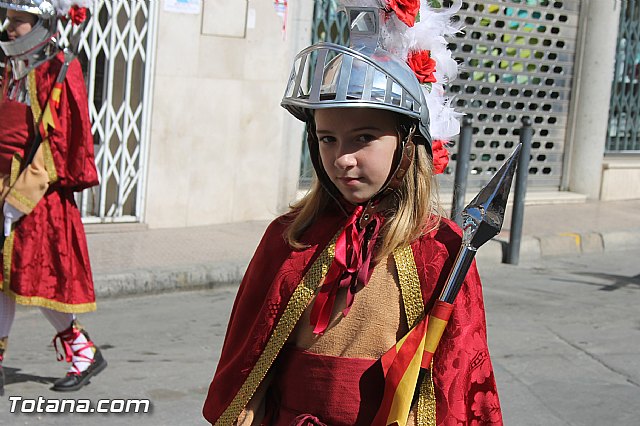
414,306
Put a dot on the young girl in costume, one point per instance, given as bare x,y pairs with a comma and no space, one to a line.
340,279
44,249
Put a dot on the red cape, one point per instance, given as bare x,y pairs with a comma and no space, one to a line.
463,376
72,143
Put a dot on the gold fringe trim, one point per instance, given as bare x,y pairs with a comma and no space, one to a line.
36,111
28,204
409,284
414,307
299,301
16,162
80,308
7,247
427,401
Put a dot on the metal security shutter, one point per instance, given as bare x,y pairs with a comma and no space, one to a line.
516,59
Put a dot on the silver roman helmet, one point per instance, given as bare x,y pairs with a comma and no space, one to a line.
37,46
36,7
361,75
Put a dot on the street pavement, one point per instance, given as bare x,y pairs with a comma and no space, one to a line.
565,339
564,334
131,259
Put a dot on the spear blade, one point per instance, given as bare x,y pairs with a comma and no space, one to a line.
482,219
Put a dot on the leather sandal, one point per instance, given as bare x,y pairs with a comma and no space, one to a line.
75,379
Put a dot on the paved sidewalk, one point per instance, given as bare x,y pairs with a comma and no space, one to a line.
132,259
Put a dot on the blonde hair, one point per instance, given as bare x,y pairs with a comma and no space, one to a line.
418,210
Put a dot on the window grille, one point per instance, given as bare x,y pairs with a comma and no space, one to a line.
623,133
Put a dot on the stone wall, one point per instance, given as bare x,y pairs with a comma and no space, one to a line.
221,148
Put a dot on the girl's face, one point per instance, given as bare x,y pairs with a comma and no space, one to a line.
20,23
356,148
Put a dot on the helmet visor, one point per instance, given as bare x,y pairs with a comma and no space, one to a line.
342,77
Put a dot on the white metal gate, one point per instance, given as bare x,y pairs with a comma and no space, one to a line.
117,54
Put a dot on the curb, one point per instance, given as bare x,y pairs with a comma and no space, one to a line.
571,244
171,279
621,239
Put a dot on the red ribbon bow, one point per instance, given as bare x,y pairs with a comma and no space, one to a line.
350,267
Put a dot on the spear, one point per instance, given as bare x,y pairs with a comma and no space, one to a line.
406,363
481,221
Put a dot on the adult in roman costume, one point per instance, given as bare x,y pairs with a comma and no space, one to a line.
310,324
46,154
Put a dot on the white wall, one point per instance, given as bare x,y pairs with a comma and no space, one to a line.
221,148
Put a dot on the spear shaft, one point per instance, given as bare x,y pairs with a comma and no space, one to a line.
481,220
458,274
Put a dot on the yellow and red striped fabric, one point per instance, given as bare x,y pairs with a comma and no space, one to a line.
438,319
401,365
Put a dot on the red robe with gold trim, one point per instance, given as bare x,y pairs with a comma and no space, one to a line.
462,373
45,260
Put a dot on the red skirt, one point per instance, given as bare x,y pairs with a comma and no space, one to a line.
46,263
313,389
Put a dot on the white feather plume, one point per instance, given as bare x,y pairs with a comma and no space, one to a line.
429,33
444,119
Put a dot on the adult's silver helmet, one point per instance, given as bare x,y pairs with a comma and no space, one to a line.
37,7
361,75
38,45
